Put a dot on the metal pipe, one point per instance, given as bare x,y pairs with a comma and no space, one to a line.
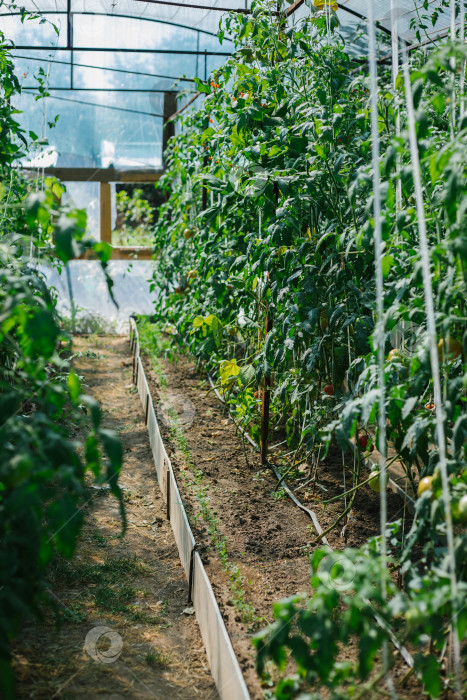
114,70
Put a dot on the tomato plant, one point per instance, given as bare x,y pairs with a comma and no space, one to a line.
51,433
272,179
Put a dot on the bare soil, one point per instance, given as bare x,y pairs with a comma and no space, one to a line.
134,585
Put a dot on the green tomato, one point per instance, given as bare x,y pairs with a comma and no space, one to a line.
21,468
375,481
414,617
426,484
462,509
396,354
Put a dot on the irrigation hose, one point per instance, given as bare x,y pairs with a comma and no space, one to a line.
278,475
407,657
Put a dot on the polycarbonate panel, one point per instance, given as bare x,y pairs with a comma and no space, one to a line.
141,383
151,424
208,18
352,15
180,526
89,31
165,469
204,18
27,68
157,454
192,17
146,392
33,32
221,656
160,71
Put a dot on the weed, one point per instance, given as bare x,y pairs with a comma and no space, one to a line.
73,613
107,585
114,597
86,322
96,538
199,489
157,658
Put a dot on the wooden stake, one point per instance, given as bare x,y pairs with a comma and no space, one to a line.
105,212
265,401
204,192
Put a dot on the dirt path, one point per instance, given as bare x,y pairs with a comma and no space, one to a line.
133,586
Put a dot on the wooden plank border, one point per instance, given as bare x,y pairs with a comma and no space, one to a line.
223,662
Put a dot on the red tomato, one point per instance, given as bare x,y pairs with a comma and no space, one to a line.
363,441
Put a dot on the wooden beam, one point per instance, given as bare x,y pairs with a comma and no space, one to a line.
132,253
102,174
105,212
124,253
291,9
187,104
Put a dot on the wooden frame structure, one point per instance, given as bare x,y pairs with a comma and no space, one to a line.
105,176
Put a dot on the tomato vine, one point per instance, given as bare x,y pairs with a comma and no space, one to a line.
51,433
282,145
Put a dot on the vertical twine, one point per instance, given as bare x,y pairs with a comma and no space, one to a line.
453,67
432,338
463,63
395,72
379,328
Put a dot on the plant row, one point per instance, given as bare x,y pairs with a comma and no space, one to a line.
51,433
265,266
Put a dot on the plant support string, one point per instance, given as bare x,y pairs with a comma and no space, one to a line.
379,329
432,339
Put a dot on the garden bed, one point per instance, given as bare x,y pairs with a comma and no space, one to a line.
253,541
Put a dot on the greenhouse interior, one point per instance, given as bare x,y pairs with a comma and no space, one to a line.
233,328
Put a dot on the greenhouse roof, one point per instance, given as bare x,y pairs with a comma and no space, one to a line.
102,59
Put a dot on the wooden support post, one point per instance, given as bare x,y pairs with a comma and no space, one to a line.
146,413
105,212
204,192
168,493
191,574
266,399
